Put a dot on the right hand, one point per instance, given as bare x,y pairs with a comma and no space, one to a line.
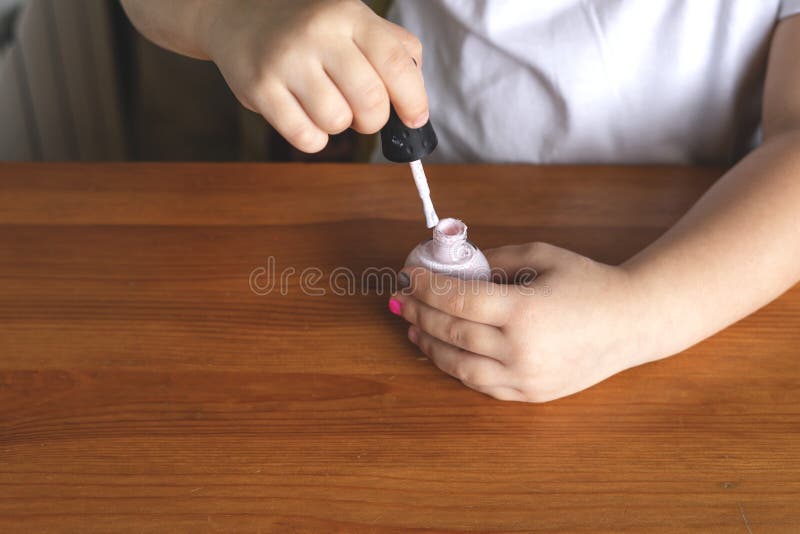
316,67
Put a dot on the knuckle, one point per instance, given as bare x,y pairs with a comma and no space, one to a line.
338,121
454,333
540,250
537,248
462,371
533,390
299,134
260,92
515,358
455,303
304,137
373,97
425,345
247,103
475,375
397,60
267,70
414,45
317,19
535,397
502,394
373,109
422,319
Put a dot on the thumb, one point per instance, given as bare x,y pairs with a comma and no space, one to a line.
522,262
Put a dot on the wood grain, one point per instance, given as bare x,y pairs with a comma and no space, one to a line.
145,388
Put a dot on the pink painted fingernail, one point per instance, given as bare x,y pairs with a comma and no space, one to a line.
395,306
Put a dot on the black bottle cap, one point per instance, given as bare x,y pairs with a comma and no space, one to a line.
402,144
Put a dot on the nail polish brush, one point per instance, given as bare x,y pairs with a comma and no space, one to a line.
448,252
402,144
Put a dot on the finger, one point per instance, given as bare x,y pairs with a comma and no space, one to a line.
409,41
471,369
361,86
400,72
511,264
509,257
535,256
479,338
282,110
322,101
479,301
503,393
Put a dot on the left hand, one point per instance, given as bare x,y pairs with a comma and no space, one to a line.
577,323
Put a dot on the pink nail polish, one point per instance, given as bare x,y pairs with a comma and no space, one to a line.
450,253
395,306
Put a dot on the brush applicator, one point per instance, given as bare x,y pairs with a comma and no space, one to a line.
402,144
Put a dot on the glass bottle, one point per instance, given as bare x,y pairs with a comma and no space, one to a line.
449,252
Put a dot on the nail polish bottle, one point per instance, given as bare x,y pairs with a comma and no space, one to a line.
449,252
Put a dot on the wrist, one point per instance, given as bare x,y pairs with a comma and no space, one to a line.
645,318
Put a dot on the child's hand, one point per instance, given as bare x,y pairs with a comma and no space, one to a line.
316,67
576,324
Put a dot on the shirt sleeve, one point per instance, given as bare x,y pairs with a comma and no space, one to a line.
789,8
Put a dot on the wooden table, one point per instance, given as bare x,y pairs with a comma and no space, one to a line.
144,387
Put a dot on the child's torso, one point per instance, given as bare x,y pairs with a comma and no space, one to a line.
661,81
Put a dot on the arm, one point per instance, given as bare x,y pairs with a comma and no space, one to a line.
738,248
177,25
734,251
310,67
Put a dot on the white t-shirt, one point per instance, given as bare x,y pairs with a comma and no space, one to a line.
594,81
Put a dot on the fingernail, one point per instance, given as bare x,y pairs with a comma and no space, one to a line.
421,120
413,335
395,306
403,281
